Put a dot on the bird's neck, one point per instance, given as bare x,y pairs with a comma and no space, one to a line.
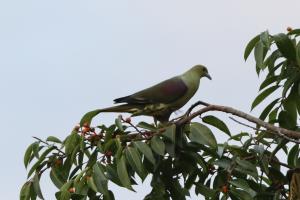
191,79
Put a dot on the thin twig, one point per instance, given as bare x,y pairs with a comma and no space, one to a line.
55,147
244,124
132,125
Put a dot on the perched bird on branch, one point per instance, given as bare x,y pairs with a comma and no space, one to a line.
159,100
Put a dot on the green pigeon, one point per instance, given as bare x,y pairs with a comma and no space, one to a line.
159,100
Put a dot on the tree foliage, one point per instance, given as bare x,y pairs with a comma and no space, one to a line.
185,157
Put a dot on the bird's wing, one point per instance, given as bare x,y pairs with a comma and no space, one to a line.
167,91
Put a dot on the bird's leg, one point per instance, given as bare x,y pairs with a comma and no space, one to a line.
193,106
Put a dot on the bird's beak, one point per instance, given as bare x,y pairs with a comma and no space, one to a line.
208,76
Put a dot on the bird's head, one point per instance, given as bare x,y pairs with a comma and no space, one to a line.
201,71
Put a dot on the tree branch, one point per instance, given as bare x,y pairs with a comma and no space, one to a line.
211,107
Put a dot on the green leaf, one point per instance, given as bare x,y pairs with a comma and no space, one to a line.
273,115
100,179
216,122
289,82
109,196
290,105
294,32
146,126
79,176
276,176
220,179
123,174
58,181
118,123
53,139
268,81
135,161
246,167
221,148
112,174
194,158
202,135
177,192
286,120
91,183
119,148
223,163
170,133
240,183
205,191
246,164
145,149
239,194
36,186
298,53
250,46
25,191
285,46
281,145
170,148
71,142
35,149
66,186
268,109
82,190
263,95
293,156
92,159
265,39
87,118
270,62
259,55
157,145
27,155
190,181
64,195
39,162
264,163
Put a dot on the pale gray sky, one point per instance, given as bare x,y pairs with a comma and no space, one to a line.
60,59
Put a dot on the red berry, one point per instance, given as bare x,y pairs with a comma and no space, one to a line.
86,125
289,29
58,162
224,189
85,129
128,120
72,190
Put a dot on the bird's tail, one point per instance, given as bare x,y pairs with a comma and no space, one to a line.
87,118
120,108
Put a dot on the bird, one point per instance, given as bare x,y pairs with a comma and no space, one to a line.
160,100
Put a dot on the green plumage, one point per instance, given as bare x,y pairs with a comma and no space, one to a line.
159,100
